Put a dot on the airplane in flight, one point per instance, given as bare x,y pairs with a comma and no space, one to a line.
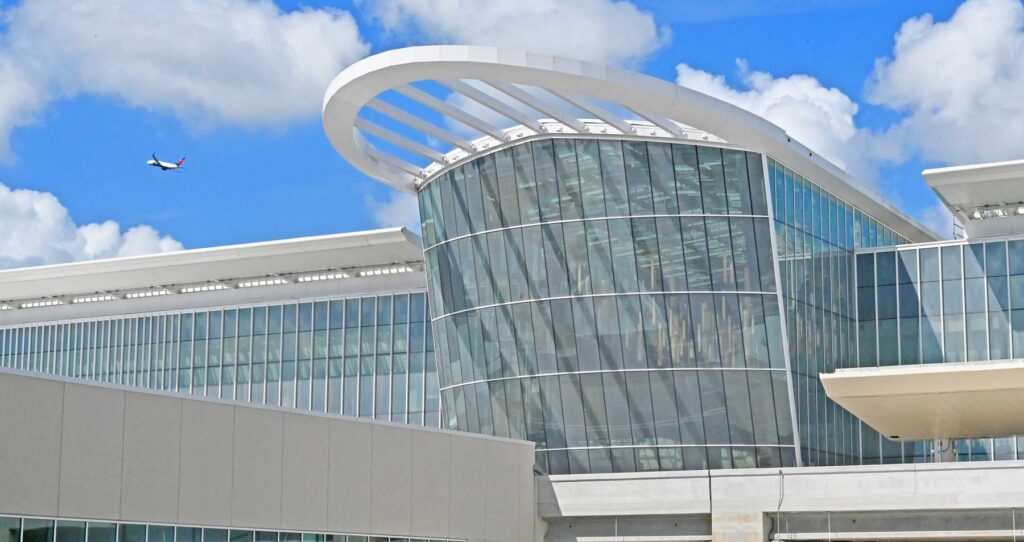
166,166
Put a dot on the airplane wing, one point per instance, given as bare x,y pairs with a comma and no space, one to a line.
155,159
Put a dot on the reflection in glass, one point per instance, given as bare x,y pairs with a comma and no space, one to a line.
617,306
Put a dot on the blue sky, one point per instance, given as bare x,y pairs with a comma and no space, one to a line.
264,170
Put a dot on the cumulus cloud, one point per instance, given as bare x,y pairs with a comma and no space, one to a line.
939,219
960,83
603,31
233,61
36,229
398,209
818,116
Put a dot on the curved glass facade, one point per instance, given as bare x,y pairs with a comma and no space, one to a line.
613,301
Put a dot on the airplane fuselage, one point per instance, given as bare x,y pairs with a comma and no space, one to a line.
163,165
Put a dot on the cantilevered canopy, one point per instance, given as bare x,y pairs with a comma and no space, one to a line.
934,401
405,115
356,254
988,199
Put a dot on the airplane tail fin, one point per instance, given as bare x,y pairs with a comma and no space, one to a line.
182,161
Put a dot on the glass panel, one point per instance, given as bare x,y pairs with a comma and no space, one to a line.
189,534
736,183
41,530
547,184
614,178
662,178
591,187
638,178
10,528
720,254
131,533
687,179
161,533
712,180
107,532
71,531
217,535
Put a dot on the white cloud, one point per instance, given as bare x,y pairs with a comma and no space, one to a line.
817,116
939,219
234,61
960,82
603,31
399,209
36,229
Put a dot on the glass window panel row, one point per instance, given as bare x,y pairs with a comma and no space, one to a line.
625,421
817,282
816,233
802,204
567,179
957,302
369,356
35,529
596,333
669,254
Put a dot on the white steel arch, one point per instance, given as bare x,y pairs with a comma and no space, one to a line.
661,110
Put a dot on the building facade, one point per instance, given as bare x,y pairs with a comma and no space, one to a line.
300,339
588,287
636,313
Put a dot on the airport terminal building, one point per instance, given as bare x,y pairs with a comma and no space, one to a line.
634,313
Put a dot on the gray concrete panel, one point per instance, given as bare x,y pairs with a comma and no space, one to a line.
502,491
90,469
256,482
30,433
348,505
527,518
207,444
470,473
304,484
152,447
431,476
391,473
642,493
105,453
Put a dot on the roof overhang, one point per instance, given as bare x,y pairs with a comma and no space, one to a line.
988,199
556,88
934,401
358,250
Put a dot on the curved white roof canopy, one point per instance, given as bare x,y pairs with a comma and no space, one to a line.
507,84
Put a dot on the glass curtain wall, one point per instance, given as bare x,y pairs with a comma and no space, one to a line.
953,302
614,302
371,357
816,234
33,529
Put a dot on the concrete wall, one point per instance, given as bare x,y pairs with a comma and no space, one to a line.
91,451
742,504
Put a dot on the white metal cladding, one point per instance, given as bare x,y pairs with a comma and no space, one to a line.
290,261
508,84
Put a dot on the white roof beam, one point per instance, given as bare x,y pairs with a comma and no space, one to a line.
399,140
543,106
450,111
598,111
492,103
419,124
411,169
664,123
